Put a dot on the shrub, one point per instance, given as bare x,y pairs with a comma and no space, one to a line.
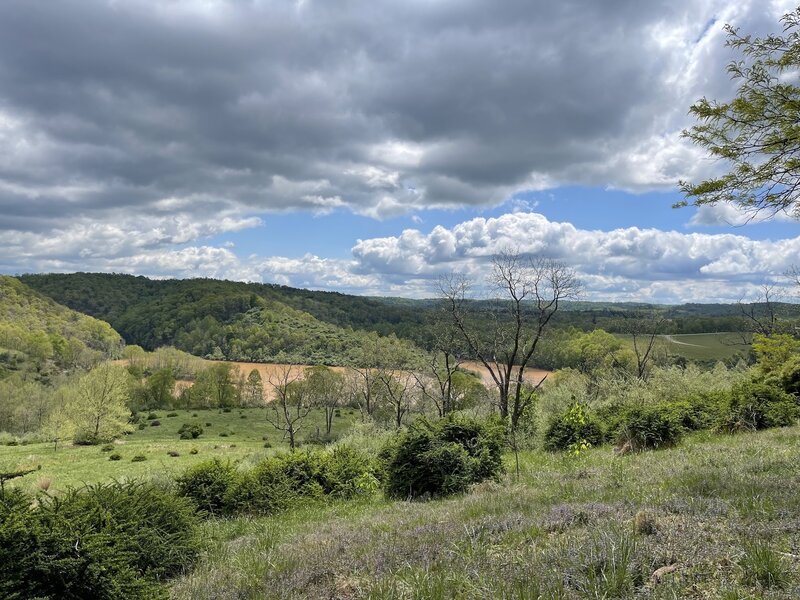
172,414
106,541
115,456
107,448
265,489
573,429
648,428
152,416
173,453
139,458
756,405
267,445
208,424
350,472
790,376
141,426
206,484
441,458
190,431
193,451
155,423
223,434
701,411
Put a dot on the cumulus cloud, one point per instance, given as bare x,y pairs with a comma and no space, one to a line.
621,264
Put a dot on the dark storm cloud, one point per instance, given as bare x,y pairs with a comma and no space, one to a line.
126,113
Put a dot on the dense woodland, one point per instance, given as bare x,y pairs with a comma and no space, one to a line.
270,323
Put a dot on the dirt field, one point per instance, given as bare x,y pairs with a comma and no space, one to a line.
533,376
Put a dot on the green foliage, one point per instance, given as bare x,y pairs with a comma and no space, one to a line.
756,132
206,484
38,336
107,541
350,472
574,430
439,458
772,352
98,407
758,405
789,374
190,431
648,427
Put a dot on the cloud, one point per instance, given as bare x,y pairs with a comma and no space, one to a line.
267,106
621,264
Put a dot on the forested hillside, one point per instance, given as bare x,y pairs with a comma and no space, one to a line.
207,313
230,320
39,337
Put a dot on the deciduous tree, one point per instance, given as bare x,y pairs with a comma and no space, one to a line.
757,133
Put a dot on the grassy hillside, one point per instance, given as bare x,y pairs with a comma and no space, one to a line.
714,518
39,336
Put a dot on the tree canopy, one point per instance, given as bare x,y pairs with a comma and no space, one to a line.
758,132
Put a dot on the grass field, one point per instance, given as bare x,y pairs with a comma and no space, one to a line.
716,517
701,346
244,431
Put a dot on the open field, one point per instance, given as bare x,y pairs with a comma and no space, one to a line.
244,431
713,518
701,346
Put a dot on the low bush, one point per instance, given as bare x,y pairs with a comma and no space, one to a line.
648,427
155,423
115,456
116,540
790,376
265,489
139,458
573,429
107,448
756,405
190,431
699,412
152,416
442,457
350,472
172,414
206,484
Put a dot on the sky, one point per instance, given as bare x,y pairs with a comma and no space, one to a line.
370,147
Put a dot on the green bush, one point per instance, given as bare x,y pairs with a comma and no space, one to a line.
790,376
190,431
172,414
206,484
572,429
139,458
115,456
350,472
757,405
108,541
107,448
265,489
648,428
699,412
441,458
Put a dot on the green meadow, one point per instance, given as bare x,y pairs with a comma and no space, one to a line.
236,435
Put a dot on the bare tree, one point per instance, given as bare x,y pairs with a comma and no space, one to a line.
288,407
761,316
644,329
528,292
